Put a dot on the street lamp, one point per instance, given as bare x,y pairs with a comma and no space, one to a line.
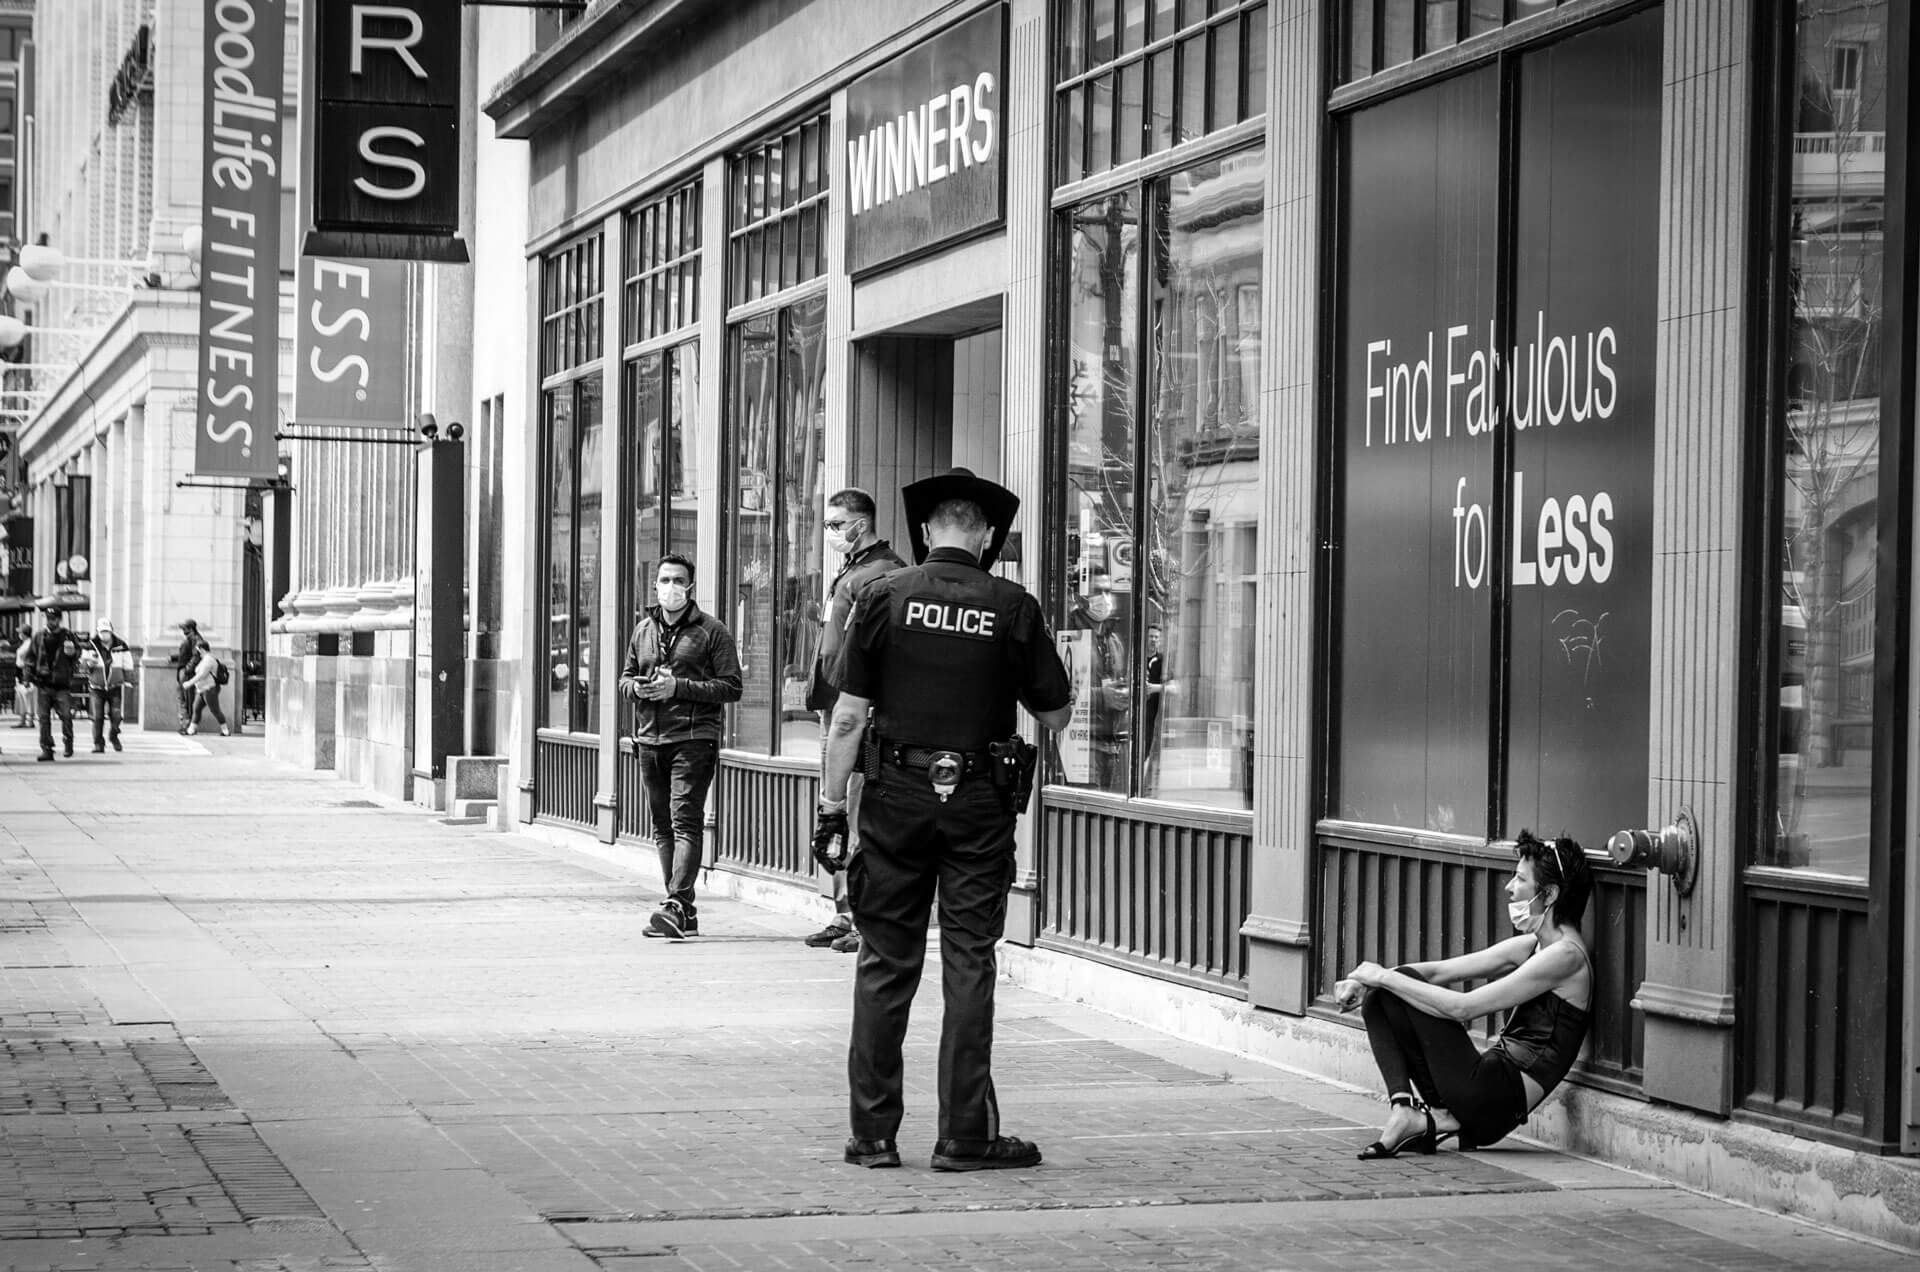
13,331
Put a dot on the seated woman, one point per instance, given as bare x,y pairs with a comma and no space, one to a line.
1417,1028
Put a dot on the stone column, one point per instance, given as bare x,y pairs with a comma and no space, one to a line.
1024,362
1700,436
1278,927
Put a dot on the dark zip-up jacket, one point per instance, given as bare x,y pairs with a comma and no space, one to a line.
52,658
699,653
861,568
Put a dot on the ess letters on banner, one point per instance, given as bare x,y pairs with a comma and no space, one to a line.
386,167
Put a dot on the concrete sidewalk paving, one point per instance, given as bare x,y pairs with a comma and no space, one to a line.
256,1021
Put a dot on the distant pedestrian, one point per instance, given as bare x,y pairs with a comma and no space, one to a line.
851,530
185,659
106,658
681,671
209,673
22,681
52,658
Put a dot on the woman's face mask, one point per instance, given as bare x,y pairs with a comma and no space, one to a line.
1521,915
672,594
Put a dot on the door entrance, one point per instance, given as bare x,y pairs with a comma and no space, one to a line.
921,404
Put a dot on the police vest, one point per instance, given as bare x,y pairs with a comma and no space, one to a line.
948,676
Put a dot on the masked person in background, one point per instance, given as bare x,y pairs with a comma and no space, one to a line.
1440,1085
865,557
106,678
681,671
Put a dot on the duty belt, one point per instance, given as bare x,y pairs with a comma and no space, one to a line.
944,769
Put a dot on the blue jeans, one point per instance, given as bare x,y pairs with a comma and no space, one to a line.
676,776
106,712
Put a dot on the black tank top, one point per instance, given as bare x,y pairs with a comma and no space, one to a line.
1544,1033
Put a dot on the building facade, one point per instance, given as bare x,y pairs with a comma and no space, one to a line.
109,169
1431,420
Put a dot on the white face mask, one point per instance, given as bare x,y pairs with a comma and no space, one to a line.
672,596
841,540
1521,915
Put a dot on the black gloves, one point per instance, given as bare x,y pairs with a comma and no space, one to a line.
830,840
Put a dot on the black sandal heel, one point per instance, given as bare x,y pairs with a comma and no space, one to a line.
1423,1142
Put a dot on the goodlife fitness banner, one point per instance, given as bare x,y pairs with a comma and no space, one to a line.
245,68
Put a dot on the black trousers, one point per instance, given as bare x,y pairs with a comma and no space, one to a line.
1437,1057
676,776
911,844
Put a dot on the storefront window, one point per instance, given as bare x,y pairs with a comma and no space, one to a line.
1158,620
571,483
663,511
1135,77
778,222
1493,514
778,436
1829,439
1378,35
662,291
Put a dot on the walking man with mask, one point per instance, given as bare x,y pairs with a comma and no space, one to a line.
51,661
866,556
943,653
681,671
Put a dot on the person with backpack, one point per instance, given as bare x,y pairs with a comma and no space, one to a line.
184,660
209,674
51,659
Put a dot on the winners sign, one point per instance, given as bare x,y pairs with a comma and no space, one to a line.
239,369
386,166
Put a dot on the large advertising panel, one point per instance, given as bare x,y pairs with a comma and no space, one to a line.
350,355
243,82
1498,450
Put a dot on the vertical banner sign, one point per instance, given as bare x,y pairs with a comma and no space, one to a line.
350,352
386,166
239,368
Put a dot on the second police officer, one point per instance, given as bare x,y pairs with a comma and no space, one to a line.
942,652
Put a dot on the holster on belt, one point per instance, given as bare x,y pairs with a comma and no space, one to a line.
1013,763
869,756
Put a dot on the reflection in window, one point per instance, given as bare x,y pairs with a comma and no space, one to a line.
1101,276
558,410
1197,572
778,372
1831,442
586,589
1158,616
663,391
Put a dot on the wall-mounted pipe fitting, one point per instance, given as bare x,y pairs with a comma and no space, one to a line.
1673,850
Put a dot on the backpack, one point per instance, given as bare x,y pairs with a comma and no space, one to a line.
219,672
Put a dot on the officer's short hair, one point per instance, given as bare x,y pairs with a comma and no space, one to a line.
961,514
854,500
675,558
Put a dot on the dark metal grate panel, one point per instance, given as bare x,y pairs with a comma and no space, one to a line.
565,771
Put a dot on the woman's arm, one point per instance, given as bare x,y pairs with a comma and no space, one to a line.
1547,970
1496,960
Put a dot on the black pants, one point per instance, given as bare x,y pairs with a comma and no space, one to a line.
54,702
1437,1057
676,776
910,843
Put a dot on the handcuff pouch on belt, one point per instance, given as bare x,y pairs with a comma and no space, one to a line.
1011,763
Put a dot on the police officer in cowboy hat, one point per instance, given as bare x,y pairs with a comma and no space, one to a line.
941,651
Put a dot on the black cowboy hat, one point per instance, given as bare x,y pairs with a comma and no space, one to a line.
996,501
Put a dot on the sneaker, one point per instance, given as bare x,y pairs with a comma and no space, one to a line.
1004,1153
690,925
828,935
47,757
224,731
191,729
99,750
849,943
67,750
667,922
116,744
872,1153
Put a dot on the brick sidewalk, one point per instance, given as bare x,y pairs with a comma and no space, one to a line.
250,1022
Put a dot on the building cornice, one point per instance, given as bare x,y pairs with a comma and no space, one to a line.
152,319
603,46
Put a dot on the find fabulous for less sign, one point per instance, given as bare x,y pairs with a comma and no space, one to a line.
239,372
926,144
